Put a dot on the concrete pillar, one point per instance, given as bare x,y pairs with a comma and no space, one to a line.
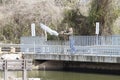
0,50
12,50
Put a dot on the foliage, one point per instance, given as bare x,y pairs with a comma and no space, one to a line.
73,18
19,14
16,17
102,11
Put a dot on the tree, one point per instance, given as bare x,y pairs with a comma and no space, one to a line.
102,11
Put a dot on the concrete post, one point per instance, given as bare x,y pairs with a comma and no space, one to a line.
12,50
0,50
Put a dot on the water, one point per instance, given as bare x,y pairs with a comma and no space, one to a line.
60,75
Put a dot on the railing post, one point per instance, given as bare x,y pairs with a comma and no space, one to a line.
34,47
97,39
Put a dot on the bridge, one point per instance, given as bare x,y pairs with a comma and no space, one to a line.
104,49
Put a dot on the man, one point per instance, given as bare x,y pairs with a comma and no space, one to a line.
69,32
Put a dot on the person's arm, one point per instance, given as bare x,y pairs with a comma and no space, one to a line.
68,33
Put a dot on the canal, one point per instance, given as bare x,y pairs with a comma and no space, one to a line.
62,75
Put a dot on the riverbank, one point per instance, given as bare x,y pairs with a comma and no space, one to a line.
107,68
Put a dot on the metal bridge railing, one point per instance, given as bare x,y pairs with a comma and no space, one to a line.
106,45
99,50
61,49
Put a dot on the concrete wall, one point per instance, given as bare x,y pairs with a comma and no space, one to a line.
85,63
78,66
79,57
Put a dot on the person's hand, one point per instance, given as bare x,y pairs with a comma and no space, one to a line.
62,32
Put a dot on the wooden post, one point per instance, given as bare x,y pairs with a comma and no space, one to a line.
5,70
24,70
7,65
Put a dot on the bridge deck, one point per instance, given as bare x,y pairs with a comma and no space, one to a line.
76,57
